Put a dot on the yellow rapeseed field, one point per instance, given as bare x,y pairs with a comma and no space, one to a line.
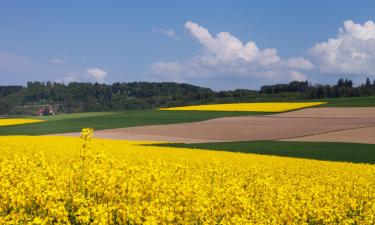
62,180
249,107
8,122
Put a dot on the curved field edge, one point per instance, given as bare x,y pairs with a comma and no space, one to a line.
75,122
328,151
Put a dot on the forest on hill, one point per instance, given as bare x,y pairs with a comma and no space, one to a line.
37,97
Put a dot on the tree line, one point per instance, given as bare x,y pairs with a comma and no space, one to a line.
343,88
85,97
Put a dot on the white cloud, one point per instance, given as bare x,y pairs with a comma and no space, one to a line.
92,74
57,61
224,54
168,32
225,46
299,63
351,52
298,76
98,74
69,78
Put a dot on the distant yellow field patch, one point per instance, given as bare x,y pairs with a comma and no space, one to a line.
9,122
250,107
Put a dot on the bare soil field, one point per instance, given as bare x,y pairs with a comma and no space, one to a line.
339,112
358,135
296,125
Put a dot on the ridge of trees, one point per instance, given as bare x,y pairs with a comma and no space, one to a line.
84,97
343,88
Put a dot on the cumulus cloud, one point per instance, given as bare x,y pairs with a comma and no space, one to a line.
92,74
57,61
225,54
351,52
98,74
69,78
168,32
298,76
299,63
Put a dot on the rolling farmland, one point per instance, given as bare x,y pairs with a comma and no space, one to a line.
187,113
184,167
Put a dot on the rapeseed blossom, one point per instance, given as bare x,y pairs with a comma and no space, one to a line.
249,107
42,181
8,122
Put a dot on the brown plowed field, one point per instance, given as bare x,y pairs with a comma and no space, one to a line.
291,125
341,112
359,135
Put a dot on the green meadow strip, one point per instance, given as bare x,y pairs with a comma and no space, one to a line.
343,152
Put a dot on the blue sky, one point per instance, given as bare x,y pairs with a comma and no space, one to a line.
109,41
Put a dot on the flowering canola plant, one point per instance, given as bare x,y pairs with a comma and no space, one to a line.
249,107
67,180
8,122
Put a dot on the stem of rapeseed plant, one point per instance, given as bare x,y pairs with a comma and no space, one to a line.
86,137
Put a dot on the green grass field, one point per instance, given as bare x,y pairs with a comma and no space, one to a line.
368,101
339,102
75,122
358,153
344,152
105,120
348,102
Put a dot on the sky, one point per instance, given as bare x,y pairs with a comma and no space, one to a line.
217,44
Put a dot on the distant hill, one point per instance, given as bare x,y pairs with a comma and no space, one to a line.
84,97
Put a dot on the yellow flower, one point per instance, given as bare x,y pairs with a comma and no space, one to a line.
249,107
43,180
8,122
